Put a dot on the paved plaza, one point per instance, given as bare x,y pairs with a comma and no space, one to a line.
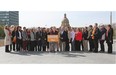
56,58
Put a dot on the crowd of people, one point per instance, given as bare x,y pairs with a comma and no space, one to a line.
70,39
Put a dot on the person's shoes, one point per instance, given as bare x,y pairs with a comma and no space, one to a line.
13,49
57,50
95,51
101,51
90,50
7,51
110,52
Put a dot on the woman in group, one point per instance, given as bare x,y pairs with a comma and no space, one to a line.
61,34
109,38
78,39
72,41
32,39
81,44
7,40
11,30
44,39
14,38
38,38
28,40
66,38
25,37
53,45
102,38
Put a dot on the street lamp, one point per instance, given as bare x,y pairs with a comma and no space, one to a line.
110,18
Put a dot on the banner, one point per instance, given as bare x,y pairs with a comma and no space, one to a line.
52,38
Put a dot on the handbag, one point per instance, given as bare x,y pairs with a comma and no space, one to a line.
14,39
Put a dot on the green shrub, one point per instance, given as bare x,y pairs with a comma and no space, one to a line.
2,35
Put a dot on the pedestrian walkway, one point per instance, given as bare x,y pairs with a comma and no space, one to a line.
56,58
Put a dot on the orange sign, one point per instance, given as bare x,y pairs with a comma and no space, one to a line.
52,38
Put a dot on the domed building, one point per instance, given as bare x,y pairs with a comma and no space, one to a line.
65,22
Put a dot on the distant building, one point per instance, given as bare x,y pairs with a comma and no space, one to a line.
65,22
9,17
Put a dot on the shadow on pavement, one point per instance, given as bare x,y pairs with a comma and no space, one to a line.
65,54
72,54
27,53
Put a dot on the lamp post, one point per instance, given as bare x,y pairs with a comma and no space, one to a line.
110,18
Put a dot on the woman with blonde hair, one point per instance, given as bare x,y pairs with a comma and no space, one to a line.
7,40
78,39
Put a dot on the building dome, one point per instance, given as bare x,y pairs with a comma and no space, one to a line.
65,21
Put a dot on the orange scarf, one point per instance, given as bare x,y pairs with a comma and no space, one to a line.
93,32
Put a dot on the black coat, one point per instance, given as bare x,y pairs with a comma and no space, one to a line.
13,34
64,36
39,37
109,38
85,35
44,39
97,33
17,34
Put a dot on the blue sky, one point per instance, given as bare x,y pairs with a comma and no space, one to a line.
54,18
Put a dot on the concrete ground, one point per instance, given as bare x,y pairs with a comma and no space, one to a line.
56,58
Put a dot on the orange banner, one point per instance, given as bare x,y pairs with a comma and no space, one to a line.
52,38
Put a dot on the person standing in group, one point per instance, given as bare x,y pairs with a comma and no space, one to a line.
91,46
95,37
81,43
66,38
35,42
38,38
32,39
109,38
44,39
53,45
48,33
28,40
78,39
25,37
11,30
19,38
102,38
71,40
14,37
7,40
61,39
57,30
85,40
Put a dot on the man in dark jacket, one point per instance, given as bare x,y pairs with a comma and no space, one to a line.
85,40
109,38
44,39
91,46
64,40
19,38
96,37
39,38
